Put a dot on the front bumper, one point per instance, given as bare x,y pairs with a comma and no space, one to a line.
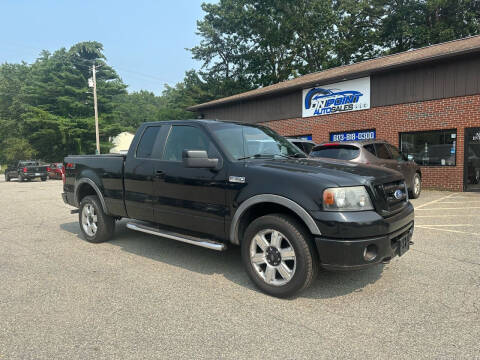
361,253
355,241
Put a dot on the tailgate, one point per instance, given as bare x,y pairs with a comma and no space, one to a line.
37,169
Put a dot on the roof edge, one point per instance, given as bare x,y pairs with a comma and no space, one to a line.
350,76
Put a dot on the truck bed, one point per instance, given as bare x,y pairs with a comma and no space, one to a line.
105,170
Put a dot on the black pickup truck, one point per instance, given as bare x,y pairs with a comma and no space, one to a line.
27,170
212,183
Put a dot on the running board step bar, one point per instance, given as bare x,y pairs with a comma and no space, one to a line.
179,237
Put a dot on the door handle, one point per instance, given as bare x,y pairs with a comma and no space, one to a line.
159,174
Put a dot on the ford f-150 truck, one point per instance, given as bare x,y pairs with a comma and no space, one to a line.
212,183
27,170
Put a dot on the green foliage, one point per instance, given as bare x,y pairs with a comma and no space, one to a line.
258,43
16,148
46,108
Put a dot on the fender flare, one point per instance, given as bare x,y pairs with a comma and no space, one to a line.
95,187
276,199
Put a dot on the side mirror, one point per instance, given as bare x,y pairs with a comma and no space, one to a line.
198,159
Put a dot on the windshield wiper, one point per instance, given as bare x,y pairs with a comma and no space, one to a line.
256,156
294,156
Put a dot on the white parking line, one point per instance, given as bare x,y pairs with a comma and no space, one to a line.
459,202
462,208
452,231
445,225
437,216
434,201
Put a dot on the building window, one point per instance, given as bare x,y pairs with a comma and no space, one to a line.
430,148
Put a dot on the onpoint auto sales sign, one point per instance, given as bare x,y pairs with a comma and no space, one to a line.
348,95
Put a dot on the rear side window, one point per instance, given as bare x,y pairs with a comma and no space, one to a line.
382,151
370,148
395,153
341,152
147,142
307,147
299,145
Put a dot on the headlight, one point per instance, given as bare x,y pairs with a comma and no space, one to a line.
353,198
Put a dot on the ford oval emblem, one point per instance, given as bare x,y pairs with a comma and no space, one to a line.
398,194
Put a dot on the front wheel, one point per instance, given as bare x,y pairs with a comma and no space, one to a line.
278,255
417,186
7,178
96,226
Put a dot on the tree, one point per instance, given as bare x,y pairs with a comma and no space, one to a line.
15,148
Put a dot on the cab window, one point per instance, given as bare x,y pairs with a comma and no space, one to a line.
183,137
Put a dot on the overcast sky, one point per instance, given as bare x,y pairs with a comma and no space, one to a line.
144,40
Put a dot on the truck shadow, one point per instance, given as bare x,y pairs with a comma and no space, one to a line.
227,263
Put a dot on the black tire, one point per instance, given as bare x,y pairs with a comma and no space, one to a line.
416,190
7,178
306,257
105,223
44,179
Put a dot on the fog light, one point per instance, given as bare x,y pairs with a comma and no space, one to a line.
370,252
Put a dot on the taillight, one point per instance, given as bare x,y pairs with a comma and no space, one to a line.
64,179
48,169
24,169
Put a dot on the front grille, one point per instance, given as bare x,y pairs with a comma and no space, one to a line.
392,197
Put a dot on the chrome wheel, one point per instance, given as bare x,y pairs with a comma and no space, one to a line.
89,220
273,257
416,185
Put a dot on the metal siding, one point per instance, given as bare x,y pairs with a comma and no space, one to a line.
259,110
457,77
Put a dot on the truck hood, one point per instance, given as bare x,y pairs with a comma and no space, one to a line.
342,173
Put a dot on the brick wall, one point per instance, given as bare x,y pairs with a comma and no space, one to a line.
458,113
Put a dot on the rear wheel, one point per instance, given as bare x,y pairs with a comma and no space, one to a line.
96,226
278,255
7,178
417,186
44,179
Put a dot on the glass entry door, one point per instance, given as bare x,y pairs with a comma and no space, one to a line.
472,159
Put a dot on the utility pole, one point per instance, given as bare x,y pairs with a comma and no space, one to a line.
94,77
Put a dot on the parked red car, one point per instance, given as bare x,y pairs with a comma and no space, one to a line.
55,171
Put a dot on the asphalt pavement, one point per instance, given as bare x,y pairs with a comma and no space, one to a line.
143,297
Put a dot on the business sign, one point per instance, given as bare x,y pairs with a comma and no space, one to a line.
345,96
353,135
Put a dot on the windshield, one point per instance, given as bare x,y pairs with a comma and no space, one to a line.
244,141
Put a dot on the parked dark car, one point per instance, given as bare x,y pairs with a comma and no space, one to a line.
27,170
374,152
196,181
305,145
55,171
